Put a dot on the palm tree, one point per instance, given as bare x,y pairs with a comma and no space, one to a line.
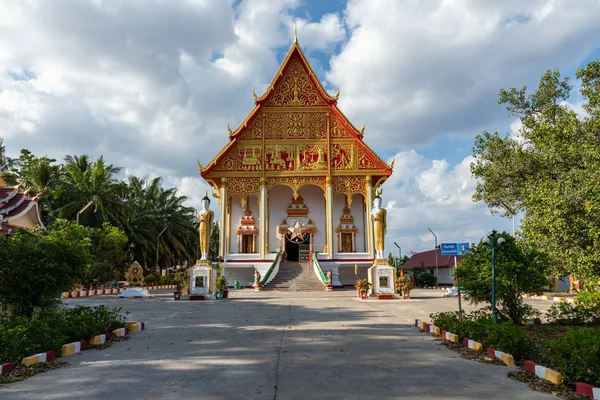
83,182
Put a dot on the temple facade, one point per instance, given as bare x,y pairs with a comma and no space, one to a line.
295,178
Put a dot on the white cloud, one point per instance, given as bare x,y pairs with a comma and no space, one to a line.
438,195
424,69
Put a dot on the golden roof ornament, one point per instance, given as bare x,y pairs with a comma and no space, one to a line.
254,95
295,32
229,130
199,167
362,130
392,164
337,95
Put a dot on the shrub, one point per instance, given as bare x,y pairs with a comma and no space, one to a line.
478,325
423,278
50,328
589,300
151,278
586,311
577,355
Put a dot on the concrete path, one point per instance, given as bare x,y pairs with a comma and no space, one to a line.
275,346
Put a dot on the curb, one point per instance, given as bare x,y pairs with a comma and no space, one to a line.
542,372
136,297
472,344
72,348
551,298
586,389
87,293
506,358
38,358
6,368
75,347
449,336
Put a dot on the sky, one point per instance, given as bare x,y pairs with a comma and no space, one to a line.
151,85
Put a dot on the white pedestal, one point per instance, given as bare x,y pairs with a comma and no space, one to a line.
201,279
382,277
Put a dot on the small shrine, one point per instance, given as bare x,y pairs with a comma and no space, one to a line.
135,280
346,232
247,232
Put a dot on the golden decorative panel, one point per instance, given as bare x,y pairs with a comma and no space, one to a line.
296,182
254,131
342,156
228,162
311,157
295,88
365,162
316,125
349,185
339,131
249,157
243,187
280,157
296,126
276,125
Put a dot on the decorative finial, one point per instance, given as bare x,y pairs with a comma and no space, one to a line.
229,130
362,130
392,164
199,167
295,32
254,95
337,95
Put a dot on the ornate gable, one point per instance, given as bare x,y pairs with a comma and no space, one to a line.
295,88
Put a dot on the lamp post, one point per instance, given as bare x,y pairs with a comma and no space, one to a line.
491,239
436,259
83,209
157,244
399,254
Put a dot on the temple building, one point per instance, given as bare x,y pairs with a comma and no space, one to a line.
295,178
17,209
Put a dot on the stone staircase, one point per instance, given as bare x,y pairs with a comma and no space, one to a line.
295,277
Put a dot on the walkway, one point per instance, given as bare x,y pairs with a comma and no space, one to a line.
275,346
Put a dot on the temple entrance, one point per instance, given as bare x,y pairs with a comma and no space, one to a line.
297,249
247,244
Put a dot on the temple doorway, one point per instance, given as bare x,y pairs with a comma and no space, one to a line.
297,249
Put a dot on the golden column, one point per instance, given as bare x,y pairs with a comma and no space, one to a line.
262,230
329,216
369,230
223,203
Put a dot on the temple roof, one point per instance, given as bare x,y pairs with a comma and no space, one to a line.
17,209
296,85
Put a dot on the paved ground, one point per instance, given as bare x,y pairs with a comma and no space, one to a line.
275,346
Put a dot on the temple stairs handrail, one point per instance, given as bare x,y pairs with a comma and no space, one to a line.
325,279
272,272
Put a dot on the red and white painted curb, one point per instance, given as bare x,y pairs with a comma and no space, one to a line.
75,347
551,298
542,372
506,358
586,389
88,293
472,344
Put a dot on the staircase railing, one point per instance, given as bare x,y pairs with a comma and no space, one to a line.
325,279
273,270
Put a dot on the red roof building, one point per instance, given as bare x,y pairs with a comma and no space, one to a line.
426,260
17,209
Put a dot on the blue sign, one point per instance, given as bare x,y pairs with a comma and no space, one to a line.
449,249
455,249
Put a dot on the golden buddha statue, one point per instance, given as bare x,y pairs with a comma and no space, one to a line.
205,221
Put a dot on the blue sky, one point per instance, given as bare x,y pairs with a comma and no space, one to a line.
152,85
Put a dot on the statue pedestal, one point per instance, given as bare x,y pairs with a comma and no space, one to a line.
382,277
201,280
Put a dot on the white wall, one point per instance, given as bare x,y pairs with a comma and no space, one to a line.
315,201
279,199
236,214
358,209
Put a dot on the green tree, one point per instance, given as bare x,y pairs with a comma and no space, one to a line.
519,269
549,171
109,253
38,265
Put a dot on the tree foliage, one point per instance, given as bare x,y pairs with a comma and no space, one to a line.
38,265
519,269
549,170
109,253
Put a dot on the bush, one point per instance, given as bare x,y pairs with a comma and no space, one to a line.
586,311
589,300
423,278
577,355
151,278
478,325
50,328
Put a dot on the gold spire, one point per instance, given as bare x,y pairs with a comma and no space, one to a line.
295,32
337,95
392,164
254,95
362,130
199,167
229,130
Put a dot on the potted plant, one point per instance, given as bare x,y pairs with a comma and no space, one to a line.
362,288
150,279
180,280
404,285
221,286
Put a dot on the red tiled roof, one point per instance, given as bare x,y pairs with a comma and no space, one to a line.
426,259
10,210
5,191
